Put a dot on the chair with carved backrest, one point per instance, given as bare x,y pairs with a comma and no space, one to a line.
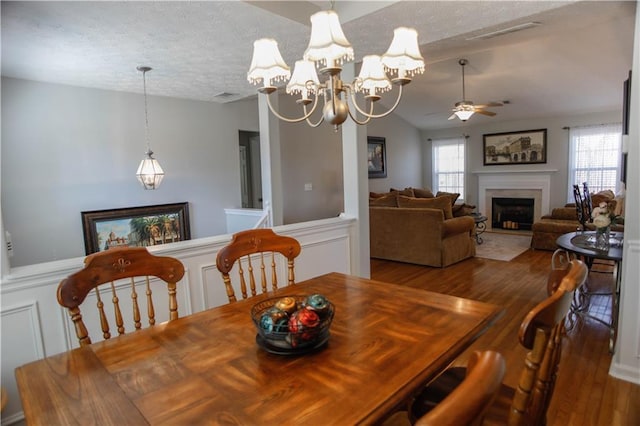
256,249
122,270
586,201
541,332
580,211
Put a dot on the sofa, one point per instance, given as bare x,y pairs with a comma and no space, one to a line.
563,220
419,230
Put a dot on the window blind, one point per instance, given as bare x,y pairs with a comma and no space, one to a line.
448,165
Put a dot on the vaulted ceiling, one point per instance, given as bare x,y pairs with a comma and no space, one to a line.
572,61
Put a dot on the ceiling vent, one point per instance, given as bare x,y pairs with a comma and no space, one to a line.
224,95
504,31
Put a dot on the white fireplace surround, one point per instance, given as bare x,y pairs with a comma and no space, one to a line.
514,184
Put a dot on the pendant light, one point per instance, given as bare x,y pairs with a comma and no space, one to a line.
149,172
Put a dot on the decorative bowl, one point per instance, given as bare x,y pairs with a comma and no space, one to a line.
292,324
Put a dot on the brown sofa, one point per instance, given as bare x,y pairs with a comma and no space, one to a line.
420,235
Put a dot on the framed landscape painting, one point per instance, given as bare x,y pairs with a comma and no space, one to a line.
523,147
135,226
376,157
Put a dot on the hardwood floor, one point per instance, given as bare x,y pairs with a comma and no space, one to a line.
585,394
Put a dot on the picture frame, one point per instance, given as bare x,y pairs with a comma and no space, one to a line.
521,147
376,157
135,226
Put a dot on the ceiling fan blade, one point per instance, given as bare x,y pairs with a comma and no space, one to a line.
483,112
452,117
489,105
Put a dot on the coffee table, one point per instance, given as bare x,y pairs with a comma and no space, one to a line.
582,244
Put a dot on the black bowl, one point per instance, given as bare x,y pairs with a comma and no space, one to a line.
291,324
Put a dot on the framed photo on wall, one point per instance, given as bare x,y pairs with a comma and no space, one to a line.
135,226
376,157
523,147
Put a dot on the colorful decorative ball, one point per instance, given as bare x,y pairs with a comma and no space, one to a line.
287,304
273,320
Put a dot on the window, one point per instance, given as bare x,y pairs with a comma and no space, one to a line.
448,165
594,157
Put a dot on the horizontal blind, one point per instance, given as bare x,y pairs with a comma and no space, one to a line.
448,165
594,157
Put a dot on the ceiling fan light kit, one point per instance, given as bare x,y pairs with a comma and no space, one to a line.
465,109
328,49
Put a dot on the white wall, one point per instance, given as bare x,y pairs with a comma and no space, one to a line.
557,147
404,154
68,149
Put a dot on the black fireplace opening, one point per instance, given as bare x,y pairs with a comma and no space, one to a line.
512,213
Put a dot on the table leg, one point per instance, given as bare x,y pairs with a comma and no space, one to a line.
480,228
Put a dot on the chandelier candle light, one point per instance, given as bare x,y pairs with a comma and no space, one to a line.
328,49
149,172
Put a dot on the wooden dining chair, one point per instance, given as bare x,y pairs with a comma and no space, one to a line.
122,270
256,249
541,332
467,403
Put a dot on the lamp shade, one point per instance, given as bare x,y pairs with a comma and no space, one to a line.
372,78
403,53
267,64
303,73
327,44
149,173
464,115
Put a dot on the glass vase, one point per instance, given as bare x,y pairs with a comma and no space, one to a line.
602,238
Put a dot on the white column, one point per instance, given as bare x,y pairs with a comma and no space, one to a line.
356,186
270,160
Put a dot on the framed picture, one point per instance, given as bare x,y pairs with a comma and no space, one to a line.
135,226
524,147
376,157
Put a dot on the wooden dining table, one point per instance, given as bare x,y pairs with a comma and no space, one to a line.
386,341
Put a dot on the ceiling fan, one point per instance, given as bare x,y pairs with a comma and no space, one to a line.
465,109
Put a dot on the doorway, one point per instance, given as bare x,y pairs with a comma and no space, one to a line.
250,170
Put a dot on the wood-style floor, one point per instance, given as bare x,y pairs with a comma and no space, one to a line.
585,393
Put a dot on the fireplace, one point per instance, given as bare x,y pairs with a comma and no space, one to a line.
512,213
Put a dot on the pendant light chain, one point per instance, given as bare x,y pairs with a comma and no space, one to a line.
146,113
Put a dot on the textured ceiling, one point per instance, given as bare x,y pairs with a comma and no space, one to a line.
574,62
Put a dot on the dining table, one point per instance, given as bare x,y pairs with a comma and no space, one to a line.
386,342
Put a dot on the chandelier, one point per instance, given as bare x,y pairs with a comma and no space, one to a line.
149,172
328,49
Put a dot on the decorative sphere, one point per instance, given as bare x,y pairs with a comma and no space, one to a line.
340,115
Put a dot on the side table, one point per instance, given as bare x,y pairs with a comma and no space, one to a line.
481,225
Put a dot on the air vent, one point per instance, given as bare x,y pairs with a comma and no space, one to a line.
224,95
504,31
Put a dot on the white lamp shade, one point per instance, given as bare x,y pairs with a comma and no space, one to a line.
149,173
372,78
328,44
267,64
464,115
303,73
403,53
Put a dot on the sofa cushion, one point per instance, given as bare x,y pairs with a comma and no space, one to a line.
452,195
407,192
422,193
387,200
442,203
462,209
564,213
377,194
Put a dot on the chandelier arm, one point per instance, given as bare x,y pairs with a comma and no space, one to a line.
371,115
293,120
354,116
314,125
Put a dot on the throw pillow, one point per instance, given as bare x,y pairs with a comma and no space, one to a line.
407,192
452,195
462,210
377,194
387,200
423,193
441,203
